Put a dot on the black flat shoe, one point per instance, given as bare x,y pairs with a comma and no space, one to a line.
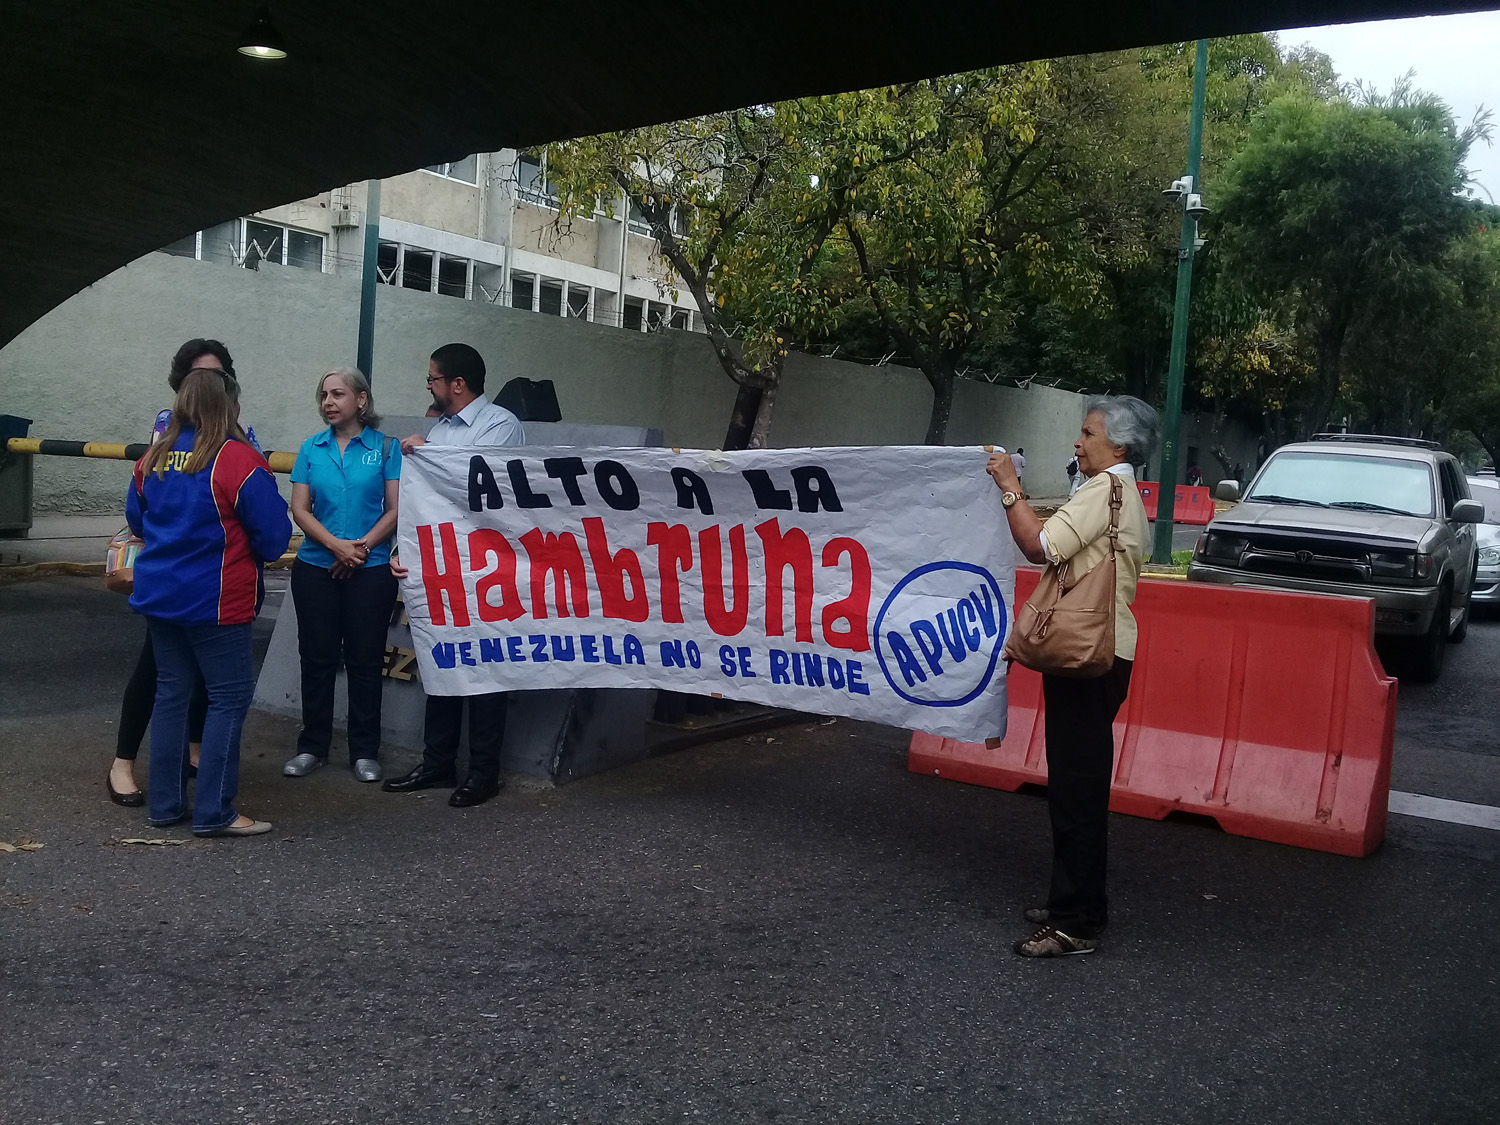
129,800
421,778
475,791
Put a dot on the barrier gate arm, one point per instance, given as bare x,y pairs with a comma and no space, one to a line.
280,461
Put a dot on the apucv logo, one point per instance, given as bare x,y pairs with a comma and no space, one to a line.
939,633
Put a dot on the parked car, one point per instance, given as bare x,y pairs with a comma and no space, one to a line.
1486,489
1361,516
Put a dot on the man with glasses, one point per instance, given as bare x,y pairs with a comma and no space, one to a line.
455,379
455,376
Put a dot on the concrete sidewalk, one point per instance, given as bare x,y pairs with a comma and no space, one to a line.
63,537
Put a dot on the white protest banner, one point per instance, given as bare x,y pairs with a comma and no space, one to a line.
875,582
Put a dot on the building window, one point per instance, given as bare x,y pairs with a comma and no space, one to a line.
679,319
639,224
521,291
680,221
578,302
466,169
532,184
634,312
386,262
416,269
281,246
453,277
551,299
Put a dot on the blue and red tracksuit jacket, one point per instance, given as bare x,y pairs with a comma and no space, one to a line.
206,535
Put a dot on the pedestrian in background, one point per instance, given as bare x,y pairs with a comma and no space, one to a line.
1018,458
206,507
455,379
344,494
1118,434
197,354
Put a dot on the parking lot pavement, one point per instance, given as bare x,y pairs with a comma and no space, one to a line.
789,927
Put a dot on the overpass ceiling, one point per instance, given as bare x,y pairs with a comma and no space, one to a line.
126,125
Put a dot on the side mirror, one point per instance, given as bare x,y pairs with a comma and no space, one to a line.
1228,490
1467,511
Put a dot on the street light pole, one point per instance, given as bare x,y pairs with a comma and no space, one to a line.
367,281
1161,549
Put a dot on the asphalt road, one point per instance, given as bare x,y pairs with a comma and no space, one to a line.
786,928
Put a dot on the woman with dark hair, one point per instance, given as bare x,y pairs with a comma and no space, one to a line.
206,507
1118,435
140,692
344,487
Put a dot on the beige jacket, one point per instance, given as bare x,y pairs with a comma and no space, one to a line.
1079,532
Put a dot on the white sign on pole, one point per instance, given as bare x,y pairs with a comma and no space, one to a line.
875,583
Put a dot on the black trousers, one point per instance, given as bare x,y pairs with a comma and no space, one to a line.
342,621
1080,765
140,701
445,718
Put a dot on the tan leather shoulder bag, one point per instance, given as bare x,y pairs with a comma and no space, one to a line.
1069,630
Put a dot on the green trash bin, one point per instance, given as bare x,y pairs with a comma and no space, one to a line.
15,480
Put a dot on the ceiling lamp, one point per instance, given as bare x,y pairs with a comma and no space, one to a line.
261,40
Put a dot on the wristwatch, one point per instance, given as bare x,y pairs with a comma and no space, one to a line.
1009,498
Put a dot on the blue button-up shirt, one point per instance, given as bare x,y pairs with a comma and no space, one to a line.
479,423
348,489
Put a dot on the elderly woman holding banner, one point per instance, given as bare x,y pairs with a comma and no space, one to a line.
1118,435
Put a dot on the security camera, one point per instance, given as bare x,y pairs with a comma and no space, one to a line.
1195,208
1179,188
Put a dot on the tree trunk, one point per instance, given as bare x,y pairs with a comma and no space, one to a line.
742,417
761,431
1490,439
940,374
1330,348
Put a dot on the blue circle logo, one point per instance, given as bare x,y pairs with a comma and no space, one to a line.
938,635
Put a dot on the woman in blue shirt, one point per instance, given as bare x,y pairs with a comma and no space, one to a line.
344,488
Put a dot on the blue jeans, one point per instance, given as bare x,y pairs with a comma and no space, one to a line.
223,655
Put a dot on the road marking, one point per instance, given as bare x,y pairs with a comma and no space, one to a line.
1452,812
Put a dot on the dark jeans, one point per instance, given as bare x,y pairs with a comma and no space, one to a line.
1080,766
223,656
342,621
140,698
445,716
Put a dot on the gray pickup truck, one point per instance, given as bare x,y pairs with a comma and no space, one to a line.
1362,516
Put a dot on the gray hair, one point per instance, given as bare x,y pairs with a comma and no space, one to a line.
1129,422
355,380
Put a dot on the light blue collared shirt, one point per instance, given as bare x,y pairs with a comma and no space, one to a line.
479,423
348,488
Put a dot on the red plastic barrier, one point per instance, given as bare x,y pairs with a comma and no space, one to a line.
1190,504
1267,711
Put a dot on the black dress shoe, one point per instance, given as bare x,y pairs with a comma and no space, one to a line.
129,800
475,791
421,778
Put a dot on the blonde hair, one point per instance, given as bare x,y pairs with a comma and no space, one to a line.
205,403
358,385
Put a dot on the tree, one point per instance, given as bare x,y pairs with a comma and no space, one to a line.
1012,190
1343,206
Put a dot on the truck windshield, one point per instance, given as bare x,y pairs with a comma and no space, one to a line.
1336,480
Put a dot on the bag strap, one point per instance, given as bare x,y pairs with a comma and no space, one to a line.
1116,501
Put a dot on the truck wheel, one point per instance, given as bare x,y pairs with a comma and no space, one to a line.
1428,663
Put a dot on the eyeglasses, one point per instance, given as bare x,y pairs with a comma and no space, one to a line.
212,371
431,379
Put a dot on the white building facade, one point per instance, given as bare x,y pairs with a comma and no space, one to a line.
485,229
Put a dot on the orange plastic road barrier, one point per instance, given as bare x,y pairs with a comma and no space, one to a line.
1191,504
1267,711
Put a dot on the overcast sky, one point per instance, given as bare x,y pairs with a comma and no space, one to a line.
1455,57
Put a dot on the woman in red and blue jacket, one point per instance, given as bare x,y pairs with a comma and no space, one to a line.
206,506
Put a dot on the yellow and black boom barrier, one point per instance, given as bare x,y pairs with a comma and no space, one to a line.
280,462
